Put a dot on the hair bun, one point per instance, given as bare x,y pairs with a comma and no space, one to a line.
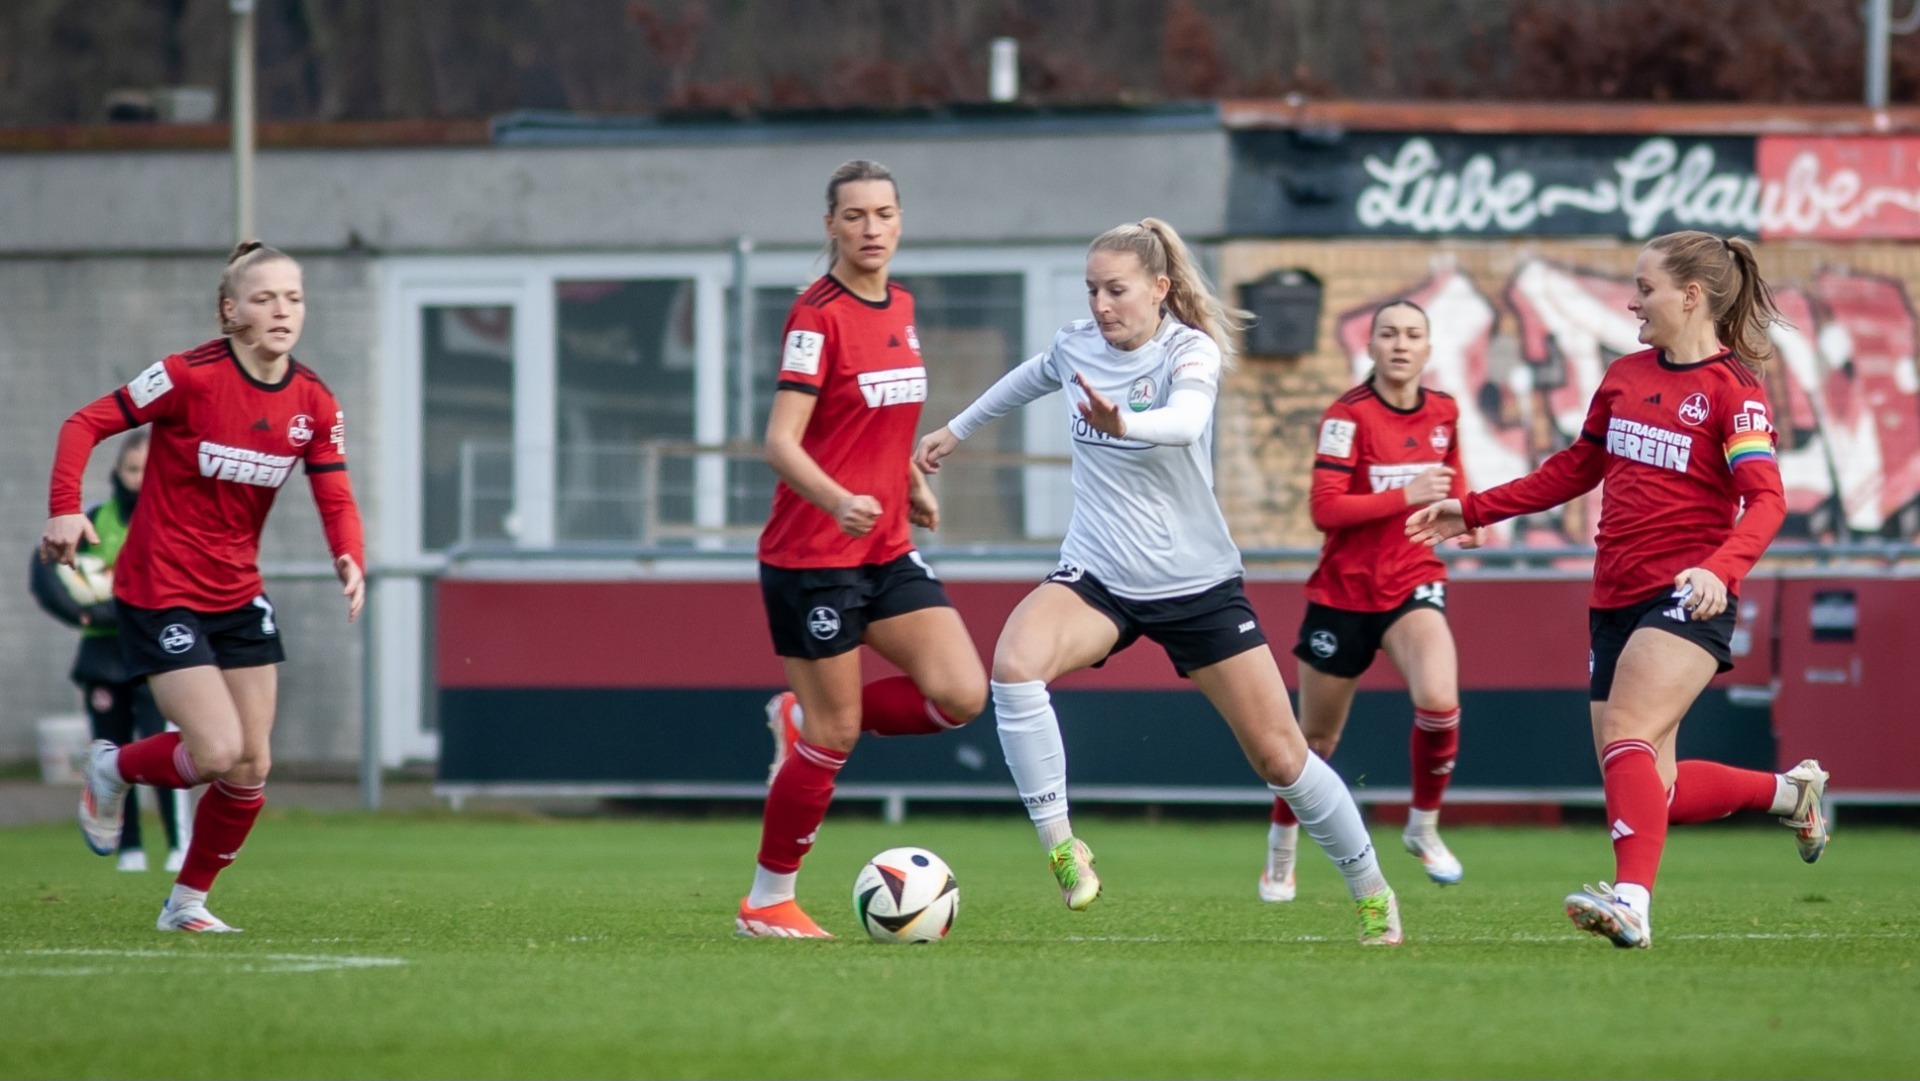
243,249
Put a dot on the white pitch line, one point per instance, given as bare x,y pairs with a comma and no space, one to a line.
246,962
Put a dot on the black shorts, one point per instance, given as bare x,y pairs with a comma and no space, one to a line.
167,639
824,611
1609,629
1343,643
1196,630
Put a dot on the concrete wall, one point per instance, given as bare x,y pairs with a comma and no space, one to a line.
71,329
964,189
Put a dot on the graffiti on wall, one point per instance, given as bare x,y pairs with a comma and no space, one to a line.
1846,386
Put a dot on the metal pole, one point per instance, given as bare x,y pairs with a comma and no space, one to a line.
241,110
1879,19
742,340
369,705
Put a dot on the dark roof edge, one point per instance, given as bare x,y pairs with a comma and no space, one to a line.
543,128
1568,118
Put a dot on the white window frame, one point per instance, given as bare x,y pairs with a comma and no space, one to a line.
1053,293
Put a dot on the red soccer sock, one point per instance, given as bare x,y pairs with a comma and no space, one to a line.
895,707
1435,742
1636,809
161,761
796,805
1283,813
226,815
1705,791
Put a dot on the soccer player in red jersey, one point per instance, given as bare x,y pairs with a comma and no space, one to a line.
230,419
1682,436
1384,446
837,565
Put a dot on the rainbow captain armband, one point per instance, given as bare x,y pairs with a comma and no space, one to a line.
1749,447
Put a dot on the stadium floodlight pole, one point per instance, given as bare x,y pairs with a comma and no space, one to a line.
1879,29
241,111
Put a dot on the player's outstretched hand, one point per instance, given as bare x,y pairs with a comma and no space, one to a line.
1701,591
353,585
857,515
933,447
62,536
1430,486
1436,522
1099,412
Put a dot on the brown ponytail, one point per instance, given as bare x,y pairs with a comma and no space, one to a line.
246,255
1738,298
1189,298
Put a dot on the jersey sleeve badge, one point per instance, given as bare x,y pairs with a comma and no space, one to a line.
1336,438
801,355
149,385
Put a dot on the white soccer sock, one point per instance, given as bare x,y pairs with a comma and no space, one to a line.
1282,843
1785,795
1030,738
110,765
1638,898
1327,811
1423,823
770,888
183,895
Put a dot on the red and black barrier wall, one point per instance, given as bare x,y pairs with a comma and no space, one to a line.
663,682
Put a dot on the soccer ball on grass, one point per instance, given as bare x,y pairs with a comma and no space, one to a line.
906,895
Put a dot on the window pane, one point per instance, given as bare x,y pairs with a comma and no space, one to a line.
625,378
970,332
467,366
969,327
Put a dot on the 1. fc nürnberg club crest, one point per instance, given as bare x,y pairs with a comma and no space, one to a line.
1694,409
1438,439
300,430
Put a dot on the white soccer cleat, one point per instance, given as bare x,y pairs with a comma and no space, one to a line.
1433,855
132,859
1603,912
1276,891
1809,819
783,721
191,916
1380,919
103,797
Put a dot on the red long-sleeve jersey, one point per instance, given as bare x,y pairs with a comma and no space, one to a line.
223,444
1681,449
1367,452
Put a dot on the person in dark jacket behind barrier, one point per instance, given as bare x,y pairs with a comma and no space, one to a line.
118,708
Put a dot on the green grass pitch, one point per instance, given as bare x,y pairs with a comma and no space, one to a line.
447,946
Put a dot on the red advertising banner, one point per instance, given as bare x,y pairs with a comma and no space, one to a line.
1864,187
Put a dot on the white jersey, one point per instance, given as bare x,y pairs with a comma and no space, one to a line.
1145,521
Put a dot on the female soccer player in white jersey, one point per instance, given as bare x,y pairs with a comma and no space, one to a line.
1147,554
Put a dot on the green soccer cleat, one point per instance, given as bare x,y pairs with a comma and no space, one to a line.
1072,863
1380,919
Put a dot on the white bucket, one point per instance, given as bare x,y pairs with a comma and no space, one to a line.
62,741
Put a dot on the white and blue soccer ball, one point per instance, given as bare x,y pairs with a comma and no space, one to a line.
906,895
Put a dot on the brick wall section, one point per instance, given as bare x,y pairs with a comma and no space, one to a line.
1271,404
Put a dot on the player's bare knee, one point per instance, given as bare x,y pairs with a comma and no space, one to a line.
964,705
1013,668
216,758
